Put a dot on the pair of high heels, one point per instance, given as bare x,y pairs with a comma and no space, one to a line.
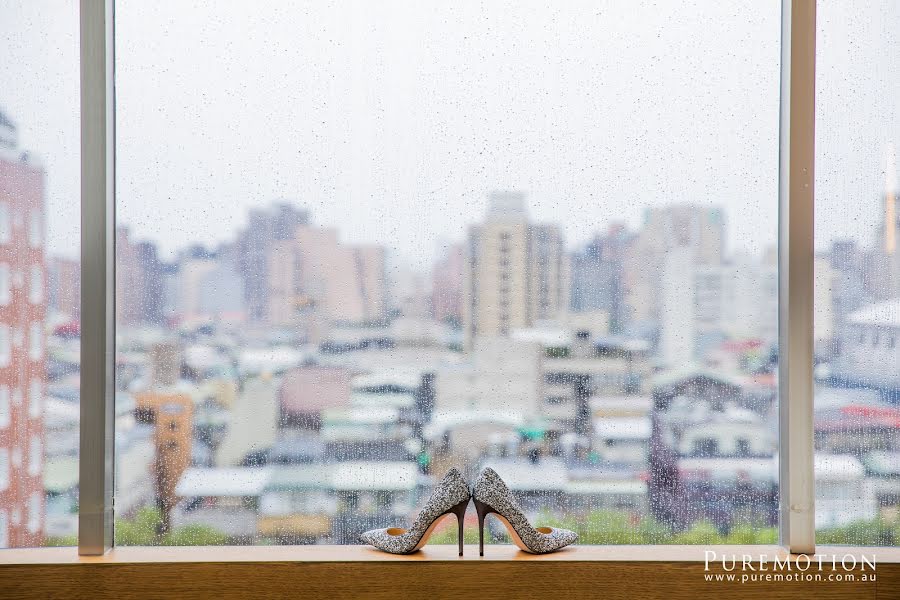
451,496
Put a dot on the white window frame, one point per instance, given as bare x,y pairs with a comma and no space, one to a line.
796,252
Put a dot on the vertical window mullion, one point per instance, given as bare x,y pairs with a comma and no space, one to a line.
796,278
96,465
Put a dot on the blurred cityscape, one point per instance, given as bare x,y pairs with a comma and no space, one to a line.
287,386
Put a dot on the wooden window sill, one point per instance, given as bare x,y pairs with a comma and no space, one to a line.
318,554
223,572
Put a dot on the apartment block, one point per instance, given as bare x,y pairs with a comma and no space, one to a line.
514,274
23,306
314,274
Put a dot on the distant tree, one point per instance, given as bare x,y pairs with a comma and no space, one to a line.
141,530
664,480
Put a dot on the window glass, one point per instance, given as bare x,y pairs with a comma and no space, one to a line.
4,469
361,243
35,510
36,285
857,320
35,456
5,285
35,398
35,228
5,224
5,409
35,341
39,227
5,345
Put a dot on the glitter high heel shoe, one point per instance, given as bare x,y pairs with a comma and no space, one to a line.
491,495
451,495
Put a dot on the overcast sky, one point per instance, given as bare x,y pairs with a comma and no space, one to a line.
393,120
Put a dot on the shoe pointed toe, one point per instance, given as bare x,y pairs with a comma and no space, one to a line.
557,539
567,537
367,537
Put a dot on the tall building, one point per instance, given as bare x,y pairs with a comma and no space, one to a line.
209,288
151,267
678,309
447,285
139,282
409,293
887,256
129,282
851,279
514,274
315,275
665,228
266,227
23,306
703,305
195,265
596,276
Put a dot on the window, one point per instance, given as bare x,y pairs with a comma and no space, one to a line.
35,228
5,224
35,341
5,285
35,398
297,333
5,352
277,325
36,285
35,508
5,409
39,227
35,456
705,447
857,414
4,468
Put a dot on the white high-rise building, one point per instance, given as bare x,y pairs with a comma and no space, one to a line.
665,229
678,312
703,305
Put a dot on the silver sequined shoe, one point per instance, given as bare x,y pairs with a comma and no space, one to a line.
451,495
491,495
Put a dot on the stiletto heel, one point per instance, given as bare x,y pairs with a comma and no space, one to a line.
451,495
460,511
491,495
483,510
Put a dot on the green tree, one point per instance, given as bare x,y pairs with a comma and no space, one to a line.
141,530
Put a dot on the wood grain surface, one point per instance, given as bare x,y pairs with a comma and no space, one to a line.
357,572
